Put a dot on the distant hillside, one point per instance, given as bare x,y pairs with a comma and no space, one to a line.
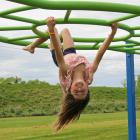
36,98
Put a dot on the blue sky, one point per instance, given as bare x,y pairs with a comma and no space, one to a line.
16,62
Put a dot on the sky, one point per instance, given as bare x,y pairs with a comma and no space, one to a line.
16,62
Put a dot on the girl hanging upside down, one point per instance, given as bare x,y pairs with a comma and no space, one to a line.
75,72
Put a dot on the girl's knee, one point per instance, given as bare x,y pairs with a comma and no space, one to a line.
65,31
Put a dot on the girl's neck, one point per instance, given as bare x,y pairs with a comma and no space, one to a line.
77,75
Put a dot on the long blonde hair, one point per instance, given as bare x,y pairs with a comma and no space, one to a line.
70,110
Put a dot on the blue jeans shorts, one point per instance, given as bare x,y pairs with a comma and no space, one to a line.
65,52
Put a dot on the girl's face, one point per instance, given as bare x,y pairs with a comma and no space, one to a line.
79,89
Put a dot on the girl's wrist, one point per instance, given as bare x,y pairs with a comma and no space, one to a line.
51,29
113,32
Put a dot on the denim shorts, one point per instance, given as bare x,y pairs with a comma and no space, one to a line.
65,52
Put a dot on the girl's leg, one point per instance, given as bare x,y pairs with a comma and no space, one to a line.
67,39
31,48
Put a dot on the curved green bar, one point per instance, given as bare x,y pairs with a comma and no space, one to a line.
14,10
39,33
89,22
81,5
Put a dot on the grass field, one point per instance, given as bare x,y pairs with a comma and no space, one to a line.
109,126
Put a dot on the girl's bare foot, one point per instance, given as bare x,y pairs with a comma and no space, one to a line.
29,49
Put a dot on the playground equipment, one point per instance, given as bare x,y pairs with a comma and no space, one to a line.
131,47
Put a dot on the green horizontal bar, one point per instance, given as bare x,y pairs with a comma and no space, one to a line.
88,21
15,28
82,39
123,18
124,27
133,41
19,42
25,43
21,19
96,44
136,35
135,28
82,21
14,10
78,47
78,39
122,45
23,38
133,48
136,52
122,50
89,47
131,52
4,39
81,5
110,47
85,47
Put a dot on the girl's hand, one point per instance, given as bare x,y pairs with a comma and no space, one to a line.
114,27
51,22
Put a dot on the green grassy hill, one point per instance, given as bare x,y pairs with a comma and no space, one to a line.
36,98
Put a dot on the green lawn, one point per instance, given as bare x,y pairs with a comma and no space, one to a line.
109,126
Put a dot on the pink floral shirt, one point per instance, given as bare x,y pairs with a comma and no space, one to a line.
72,60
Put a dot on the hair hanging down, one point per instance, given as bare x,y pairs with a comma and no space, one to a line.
70,110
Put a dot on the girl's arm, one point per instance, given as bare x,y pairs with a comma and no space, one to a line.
103,48
56,45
